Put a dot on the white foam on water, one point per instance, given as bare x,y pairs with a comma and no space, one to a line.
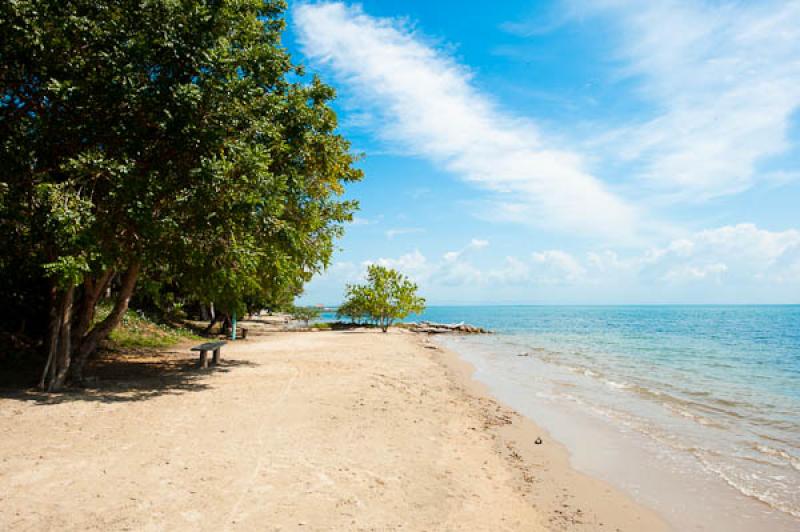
789,458
698,479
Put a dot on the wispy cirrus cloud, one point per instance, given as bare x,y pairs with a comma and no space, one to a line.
474,244
428,105
721,79
398,231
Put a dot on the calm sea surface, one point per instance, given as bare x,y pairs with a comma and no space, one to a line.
708,397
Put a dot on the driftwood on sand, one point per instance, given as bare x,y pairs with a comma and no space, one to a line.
445,328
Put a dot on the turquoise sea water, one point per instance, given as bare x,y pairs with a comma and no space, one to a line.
714,389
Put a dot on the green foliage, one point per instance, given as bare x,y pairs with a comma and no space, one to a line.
305,314
387,296
173,134
354,308
137,330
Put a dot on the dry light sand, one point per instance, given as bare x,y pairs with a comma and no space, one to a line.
295,431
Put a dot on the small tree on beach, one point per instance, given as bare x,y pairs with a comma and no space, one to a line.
305,314
387,296
353,309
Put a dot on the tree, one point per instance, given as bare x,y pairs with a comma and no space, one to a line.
305,314
354,308
171,142
387,296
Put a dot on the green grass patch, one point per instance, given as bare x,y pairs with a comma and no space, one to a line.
138,331
323,326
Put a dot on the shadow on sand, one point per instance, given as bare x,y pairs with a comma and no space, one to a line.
119,378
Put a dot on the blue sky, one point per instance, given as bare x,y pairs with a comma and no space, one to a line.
570,152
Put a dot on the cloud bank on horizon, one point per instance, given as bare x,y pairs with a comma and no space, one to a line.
743,255
720,83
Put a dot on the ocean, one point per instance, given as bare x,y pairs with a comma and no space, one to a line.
694,410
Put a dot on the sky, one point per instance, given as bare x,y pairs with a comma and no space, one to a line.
566,152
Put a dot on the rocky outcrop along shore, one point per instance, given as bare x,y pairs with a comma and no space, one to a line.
445,328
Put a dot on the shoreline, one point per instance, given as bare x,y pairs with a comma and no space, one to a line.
295,430
573,500
649,469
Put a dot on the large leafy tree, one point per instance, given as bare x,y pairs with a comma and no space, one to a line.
167,139
387,296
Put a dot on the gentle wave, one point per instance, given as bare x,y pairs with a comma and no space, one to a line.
743,481
741,484
659,395
787,457
698,406
710,404
715,388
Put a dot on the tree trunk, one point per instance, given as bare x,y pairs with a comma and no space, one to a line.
64,342
52,339
59,345
100,332
211,323
92,290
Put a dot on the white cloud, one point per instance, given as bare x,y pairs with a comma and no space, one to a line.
696,273
474,244
738,254
391,233
513,272
427,103
741,253
735,264
457,273
357,220
722,78
413,264
556,266
361,220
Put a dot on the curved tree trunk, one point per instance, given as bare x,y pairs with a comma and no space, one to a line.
100,332
214,318
93,289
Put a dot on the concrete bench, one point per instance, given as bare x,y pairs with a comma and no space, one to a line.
205,348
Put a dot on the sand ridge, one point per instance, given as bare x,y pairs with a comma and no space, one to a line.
350,430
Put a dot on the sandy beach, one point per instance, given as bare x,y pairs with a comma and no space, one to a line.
351,430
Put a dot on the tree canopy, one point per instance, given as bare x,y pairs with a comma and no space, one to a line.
387,296
167,142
